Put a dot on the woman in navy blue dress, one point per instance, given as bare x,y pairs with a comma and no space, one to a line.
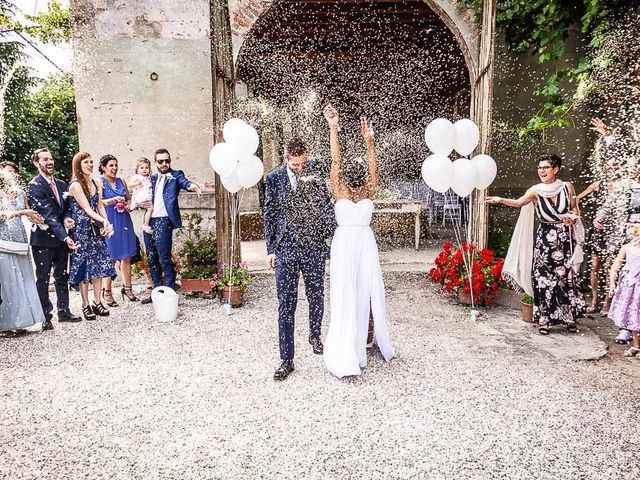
122,244
90,263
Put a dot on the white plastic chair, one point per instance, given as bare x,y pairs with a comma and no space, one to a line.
451,208
426,197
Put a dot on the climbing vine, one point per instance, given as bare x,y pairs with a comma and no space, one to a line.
541,28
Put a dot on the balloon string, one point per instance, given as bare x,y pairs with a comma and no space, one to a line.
234,209
467,257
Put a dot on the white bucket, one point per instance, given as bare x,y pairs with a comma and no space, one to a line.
165,304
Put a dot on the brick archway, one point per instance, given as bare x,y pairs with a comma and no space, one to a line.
246,13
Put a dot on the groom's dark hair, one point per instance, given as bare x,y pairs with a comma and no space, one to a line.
296,147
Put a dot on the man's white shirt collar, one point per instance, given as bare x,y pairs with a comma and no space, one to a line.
292,178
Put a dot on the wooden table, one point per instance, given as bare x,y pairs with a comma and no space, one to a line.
401,208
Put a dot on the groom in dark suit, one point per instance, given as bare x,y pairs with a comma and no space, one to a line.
298,221
51,246
166,186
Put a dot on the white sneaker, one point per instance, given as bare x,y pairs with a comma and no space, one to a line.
624,336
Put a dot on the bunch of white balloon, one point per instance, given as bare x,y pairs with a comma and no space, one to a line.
234,159
236,163
461,175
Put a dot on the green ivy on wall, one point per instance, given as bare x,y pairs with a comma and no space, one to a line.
541,28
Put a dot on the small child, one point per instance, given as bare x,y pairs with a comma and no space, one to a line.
625,305
140,184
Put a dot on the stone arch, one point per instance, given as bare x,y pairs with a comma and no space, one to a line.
246,13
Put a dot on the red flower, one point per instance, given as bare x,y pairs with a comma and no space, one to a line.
452,267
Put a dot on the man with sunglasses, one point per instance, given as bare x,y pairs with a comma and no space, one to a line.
166,186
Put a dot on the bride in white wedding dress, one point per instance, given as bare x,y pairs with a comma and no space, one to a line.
356,285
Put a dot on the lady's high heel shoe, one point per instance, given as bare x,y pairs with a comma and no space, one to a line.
100,309
87,312
128,292
107,295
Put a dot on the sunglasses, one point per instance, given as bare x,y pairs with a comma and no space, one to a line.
162,161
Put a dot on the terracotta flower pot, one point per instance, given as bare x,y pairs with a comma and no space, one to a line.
233,295
527,312
465,299
194,285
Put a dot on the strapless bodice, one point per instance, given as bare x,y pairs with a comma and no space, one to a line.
354,214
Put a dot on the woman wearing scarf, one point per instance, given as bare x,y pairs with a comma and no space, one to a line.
548,270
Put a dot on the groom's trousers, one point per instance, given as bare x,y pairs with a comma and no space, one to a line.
311,263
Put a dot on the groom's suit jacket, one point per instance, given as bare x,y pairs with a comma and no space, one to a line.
304,217
53,210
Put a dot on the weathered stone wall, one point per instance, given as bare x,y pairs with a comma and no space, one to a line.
143,80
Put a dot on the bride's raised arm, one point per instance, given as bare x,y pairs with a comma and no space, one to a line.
372,157
331,115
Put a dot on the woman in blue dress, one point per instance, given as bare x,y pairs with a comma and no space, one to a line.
19,303
122,244
90,263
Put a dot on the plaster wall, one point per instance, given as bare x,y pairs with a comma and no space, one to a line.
143,81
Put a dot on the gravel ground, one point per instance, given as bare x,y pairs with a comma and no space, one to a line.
128,397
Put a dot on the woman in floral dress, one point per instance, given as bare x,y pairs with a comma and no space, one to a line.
550,269
90,263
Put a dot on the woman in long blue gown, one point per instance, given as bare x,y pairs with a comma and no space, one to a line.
19,303
122,244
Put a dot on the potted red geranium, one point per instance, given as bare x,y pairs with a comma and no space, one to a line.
232,282
463,270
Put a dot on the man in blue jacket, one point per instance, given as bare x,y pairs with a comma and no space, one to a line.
166,186
298,221
51,245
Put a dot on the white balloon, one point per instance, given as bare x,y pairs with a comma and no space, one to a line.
232,129
242,136
464,177
232,183
251,141
223,158
440,136
250,171
467,136
486,170
437,172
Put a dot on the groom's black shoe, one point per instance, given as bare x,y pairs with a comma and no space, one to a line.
283,371
47,325
68,317
316,344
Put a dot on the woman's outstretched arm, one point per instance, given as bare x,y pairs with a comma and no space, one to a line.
588,191
527,198
331,115
372,157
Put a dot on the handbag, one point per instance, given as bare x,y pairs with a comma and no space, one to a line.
15,248
96,226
